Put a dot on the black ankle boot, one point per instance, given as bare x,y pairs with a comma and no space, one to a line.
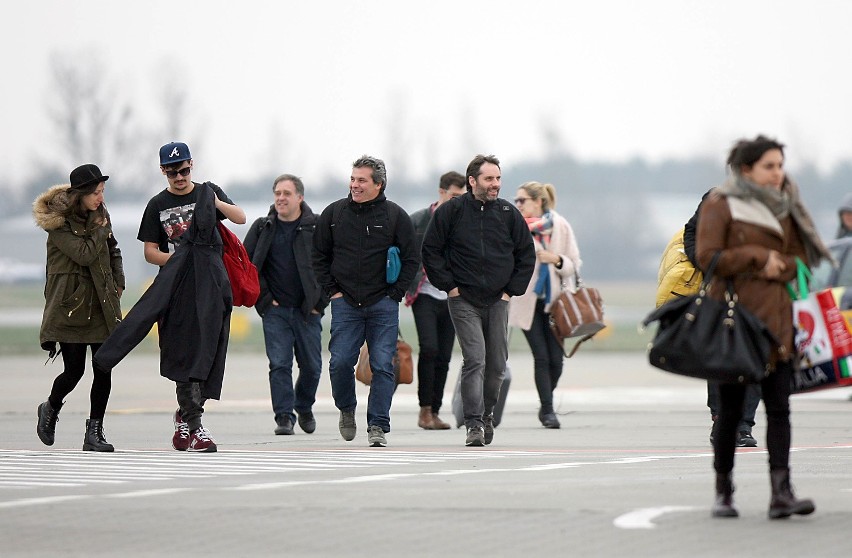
548,417
46,426
95,439
784,502
724,504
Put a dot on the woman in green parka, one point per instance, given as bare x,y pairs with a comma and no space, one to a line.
85,280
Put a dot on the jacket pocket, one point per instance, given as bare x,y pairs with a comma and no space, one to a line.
77,308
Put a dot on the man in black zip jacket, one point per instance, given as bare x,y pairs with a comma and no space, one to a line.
351,245
291,302
479,250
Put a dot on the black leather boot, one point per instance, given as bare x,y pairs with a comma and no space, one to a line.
95,439
724,504
784,502
548,417
46,426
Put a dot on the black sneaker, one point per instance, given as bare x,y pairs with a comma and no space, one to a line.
285,427
488,431
475,436
746,440
307,422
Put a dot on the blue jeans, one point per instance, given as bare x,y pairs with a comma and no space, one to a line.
378,325
483,335
287,333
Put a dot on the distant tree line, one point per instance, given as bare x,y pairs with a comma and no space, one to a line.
608,204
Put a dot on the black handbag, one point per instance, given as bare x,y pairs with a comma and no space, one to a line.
706,338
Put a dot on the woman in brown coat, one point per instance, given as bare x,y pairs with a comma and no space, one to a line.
85,279
759,226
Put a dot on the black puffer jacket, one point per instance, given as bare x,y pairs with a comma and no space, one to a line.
484,249
257,243
350,255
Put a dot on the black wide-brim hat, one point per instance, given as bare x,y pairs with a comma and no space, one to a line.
86,175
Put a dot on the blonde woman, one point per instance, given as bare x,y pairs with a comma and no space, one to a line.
557,260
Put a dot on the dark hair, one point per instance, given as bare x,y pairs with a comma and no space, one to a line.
449,179
176,166
297,182
74,202
380,173
745,153
473,168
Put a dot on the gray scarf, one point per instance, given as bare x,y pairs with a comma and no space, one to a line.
782,203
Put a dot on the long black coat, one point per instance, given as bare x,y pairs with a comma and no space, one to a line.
191,301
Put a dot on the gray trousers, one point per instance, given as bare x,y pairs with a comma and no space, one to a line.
483,338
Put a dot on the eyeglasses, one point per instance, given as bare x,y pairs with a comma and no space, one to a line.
183,172
521,201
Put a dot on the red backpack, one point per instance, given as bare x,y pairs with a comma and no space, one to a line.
245,284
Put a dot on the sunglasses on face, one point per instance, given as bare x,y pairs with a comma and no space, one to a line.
183,172
521,201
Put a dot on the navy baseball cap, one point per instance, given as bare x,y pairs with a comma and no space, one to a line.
174,152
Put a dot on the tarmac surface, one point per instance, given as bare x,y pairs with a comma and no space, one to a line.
628,474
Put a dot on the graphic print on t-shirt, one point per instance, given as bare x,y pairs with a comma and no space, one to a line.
176,221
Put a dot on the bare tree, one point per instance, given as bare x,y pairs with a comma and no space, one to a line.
91,120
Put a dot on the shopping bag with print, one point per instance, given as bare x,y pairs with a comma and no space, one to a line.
823,339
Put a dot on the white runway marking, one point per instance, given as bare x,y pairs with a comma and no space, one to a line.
26,469
41,501
644,518
146,493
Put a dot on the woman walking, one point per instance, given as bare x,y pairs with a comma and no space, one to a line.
85,279
758,226
557,261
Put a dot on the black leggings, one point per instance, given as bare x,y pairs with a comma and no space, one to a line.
776,400
547,356
74,358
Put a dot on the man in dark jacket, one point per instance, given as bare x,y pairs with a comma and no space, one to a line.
479,250
435,331
291,302
351,245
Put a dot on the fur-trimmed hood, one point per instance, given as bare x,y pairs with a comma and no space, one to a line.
49,207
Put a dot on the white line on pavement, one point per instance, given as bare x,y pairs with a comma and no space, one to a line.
42,501
643,518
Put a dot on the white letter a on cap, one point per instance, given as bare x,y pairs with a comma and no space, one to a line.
174,153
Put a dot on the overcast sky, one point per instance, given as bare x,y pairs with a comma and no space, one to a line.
306,87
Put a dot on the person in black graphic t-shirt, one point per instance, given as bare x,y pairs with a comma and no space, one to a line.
167,216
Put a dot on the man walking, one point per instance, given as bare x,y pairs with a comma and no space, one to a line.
291,302
167,217
479,250
435,332
351,251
